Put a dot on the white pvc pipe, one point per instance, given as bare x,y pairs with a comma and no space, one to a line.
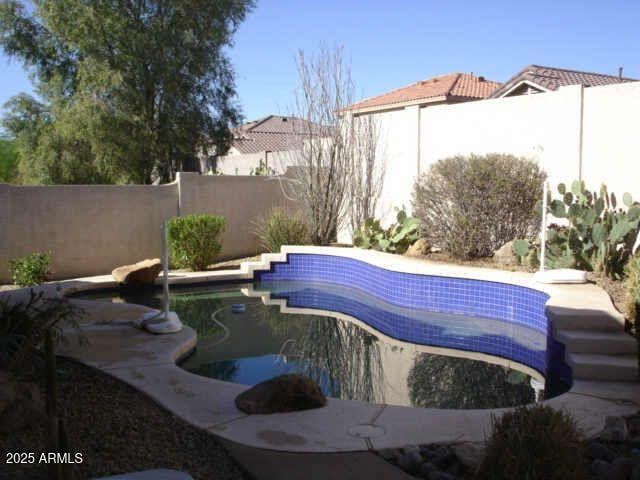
543,232
165,268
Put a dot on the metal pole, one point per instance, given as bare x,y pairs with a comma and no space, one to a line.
543,233
165,268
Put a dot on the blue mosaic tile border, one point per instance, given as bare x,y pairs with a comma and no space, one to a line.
475,298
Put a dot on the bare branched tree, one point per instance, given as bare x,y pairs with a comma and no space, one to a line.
368,163
335,172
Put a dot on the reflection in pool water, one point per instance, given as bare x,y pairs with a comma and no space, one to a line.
347,360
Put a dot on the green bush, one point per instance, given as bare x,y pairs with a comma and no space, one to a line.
281,228
632,284
599,236
30,270
472,205
194,240
533,443
24,324
395,239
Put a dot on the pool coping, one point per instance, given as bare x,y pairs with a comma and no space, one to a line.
148,363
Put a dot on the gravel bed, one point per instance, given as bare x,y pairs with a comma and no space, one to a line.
118,429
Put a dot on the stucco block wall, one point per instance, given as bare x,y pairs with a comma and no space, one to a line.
244,163
90,230
575,133
611,137
544,127
242,200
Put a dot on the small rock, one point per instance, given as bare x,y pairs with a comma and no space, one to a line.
411,461
388,454
469,454
615,430
425,470
443,457
419,248
505,255
285,393
598,451
141,273
410,448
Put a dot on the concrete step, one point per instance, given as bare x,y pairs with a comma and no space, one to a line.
587,341
589,366
584,319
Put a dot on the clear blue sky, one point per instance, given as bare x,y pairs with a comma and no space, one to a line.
394,43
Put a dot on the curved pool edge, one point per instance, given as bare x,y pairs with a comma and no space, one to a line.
148,363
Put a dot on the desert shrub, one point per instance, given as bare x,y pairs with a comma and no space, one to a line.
596,235
30,270
531,443
194,240
632,285
472,205
282,228
24,322
395,239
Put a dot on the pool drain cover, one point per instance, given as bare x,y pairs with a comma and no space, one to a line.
366,431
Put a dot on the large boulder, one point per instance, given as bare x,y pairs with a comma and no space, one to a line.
286,393
141,273
419,248
505,255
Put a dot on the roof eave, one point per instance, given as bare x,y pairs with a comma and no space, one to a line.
397,105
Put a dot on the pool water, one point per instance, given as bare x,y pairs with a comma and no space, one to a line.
348,360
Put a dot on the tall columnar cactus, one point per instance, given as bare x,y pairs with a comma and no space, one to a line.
598,236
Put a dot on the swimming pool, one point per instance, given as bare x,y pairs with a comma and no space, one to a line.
365,333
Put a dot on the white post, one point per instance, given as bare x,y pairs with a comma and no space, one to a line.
543,232
165,268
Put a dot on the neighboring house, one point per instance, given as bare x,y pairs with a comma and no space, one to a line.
451,88
264,144
538,79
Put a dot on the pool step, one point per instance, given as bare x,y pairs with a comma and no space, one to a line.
588,341
572,319
615,368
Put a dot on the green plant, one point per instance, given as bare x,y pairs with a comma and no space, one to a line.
24,321
395,239
262,169
533,443
599,235
194,240
632,286
472,205
30,270
281,228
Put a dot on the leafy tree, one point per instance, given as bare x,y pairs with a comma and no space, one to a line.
8,160
130,91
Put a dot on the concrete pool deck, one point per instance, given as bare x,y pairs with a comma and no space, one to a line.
583,318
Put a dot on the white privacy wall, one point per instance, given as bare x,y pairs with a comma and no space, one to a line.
611,139
245,163
588,133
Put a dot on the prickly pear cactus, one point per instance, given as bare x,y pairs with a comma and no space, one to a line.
596,234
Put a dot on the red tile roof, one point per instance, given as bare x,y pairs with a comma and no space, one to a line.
456,86
552,78
273,133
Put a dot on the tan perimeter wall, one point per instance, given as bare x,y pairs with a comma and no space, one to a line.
90,230
591,134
